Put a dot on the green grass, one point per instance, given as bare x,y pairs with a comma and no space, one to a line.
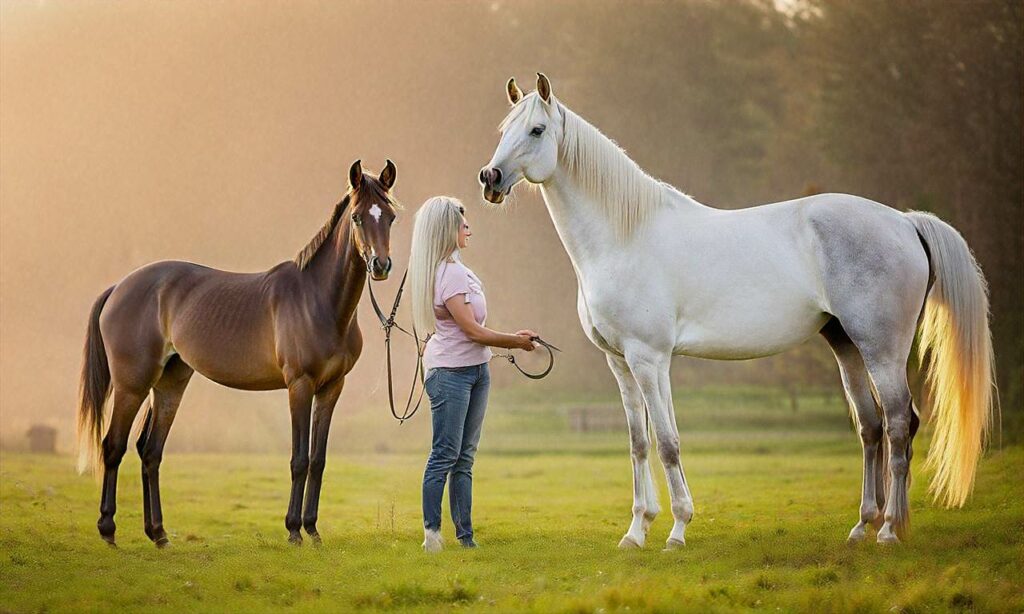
774,505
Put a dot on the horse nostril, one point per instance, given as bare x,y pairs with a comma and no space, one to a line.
387,265
496,175
483,176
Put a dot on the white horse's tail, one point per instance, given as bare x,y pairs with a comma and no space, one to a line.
956,348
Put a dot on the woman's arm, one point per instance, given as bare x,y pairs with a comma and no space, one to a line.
462,312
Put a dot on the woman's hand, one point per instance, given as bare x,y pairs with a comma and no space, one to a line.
527,332
526,340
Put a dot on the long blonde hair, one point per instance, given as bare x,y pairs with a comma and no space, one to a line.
435,237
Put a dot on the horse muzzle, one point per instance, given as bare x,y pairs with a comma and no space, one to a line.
378,269
490,179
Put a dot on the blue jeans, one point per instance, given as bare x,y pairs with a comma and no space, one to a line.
458,399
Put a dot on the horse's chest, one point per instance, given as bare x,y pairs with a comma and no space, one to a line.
611,319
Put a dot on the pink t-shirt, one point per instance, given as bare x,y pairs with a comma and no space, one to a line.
449,346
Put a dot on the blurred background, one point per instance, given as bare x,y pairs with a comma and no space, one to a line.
221,133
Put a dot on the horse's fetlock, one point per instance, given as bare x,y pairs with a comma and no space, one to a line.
869,513
683,511
106,526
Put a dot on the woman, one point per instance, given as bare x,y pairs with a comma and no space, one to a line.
448,301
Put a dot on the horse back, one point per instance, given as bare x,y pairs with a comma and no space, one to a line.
219,322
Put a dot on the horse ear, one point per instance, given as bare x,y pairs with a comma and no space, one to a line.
543,87
514,93
387,176
355,175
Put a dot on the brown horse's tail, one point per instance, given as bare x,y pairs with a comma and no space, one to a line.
93,389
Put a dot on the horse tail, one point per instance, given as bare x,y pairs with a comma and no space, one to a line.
93,389
956,349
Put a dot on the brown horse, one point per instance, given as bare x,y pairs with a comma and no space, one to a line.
292,327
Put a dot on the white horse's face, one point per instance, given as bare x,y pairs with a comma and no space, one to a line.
528,148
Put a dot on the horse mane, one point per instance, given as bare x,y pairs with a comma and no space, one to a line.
305,256
628,195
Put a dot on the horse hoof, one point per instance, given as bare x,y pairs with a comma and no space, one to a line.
887,537
674,544
315,539
295,540
162,542
857,535
628,543
110,540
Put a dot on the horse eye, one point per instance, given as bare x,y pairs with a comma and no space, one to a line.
537,130
357,219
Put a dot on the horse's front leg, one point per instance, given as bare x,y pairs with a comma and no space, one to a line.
651,370
300,397
323,410
645,497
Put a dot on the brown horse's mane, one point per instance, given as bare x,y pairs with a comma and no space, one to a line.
371,185
305,256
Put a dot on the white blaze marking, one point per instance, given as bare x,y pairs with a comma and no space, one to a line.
375,212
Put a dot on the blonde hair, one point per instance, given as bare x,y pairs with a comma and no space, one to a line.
435,237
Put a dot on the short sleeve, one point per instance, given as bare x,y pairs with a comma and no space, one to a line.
454,281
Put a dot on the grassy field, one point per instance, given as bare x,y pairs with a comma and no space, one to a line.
774,503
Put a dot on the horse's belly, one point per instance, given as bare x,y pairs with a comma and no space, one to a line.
741,336
236,361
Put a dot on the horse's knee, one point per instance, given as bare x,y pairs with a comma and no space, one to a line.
300,467
668,451
317,464
639,448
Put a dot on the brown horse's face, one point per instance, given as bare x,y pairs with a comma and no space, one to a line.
372,214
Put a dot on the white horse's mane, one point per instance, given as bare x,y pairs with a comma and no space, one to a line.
627,194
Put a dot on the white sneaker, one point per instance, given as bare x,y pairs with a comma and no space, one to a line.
432,541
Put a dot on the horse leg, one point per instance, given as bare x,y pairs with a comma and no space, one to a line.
651,370
645,498
323,411
868,419
115,444
140,445
167,395
300,398
890,380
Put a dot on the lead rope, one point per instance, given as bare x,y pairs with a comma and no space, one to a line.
388,323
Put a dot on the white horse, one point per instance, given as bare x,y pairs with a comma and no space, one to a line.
660,274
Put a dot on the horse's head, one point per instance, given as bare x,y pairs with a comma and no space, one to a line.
373,211
528,148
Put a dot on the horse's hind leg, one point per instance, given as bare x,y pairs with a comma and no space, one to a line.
115,444
167,395
645,497
140,445
868,418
